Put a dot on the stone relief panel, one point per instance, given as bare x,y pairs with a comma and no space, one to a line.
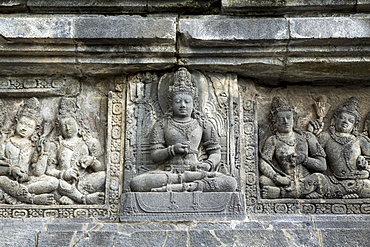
53,157
313,152
181,149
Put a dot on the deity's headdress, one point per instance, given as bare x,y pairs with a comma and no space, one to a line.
278,105
351,106
183,83
68,108
31,109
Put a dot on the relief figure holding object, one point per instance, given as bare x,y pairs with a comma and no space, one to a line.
25,156
74,159
346,149
292,161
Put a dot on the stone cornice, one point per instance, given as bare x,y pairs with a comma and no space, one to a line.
277,49
266,7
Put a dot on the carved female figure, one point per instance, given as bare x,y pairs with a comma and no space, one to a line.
291,160
175,141
74,159
26,164
348,173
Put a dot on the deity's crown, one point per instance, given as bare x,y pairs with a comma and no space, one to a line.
31,109
68,108
279,104
351,106
182,83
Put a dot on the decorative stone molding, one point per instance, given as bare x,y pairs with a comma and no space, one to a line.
255,7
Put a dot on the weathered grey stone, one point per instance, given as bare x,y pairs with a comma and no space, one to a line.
100,238
220,30
116,6
61,238
136,29
153,238
37,28
151,226
335,28
348,237
137,42
13,5
305,53
290,6
180,5
100,6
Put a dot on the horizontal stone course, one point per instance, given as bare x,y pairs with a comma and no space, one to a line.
255,7
103,6
269,49
294,230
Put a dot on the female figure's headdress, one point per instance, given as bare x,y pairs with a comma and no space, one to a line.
31,109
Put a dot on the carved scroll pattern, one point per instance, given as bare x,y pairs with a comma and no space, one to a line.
250,159
115,154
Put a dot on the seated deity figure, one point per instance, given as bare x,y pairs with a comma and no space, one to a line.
175,142
348,171
74,159
23,161
292,160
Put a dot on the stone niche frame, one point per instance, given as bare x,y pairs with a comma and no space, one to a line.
255,204
55,86
142,110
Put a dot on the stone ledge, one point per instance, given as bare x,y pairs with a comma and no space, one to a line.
85,44
104,6
266,7
278,49
343,230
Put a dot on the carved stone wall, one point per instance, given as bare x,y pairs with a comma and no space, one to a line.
275,150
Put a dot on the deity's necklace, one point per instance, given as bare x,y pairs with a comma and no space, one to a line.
21,147
71,146
340,139
287,142
185,128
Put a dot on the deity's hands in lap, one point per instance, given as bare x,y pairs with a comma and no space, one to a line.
361,162
86,161
70,174
19,174
201,166
181,148
295,159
